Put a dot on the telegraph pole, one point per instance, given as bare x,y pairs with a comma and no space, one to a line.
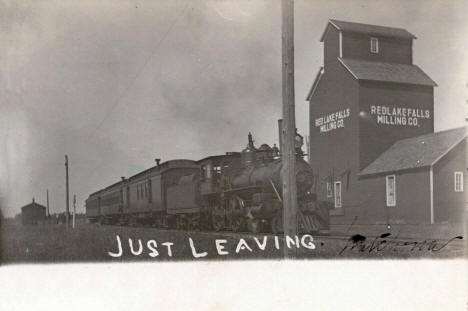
48,212
288,153
67,213
74,210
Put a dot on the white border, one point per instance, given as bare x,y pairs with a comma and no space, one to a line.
247,285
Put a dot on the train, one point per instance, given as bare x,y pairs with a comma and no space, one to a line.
235,191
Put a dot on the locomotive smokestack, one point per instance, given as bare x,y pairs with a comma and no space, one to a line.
157,162
280,134
123,178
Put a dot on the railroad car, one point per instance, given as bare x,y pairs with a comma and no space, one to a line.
238,191
155,196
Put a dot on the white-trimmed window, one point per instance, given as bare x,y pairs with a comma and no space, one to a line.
338,194
329,189
458,181
391,190
374,45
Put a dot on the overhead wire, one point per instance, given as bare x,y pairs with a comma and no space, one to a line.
138,73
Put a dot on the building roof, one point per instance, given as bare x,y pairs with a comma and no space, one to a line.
386,72
372,30
33,205
416,152
315,84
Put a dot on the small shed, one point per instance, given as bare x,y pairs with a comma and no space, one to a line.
33,213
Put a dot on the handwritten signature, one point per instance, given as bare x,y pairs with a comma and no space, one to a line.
362,244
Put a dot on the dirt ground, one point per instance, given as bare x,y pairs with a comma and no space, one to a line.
94,243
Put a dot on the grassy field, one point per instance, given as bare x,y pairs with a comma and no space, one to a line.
92,243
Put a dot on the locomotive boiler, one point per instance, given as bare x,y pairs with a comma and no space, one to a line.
254,193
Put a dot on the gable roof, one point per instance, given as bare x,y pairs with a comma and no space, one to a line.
33,205
386,72
416,152
315,84
372,30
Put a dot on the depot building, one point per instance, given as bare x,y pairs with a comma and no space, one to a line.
372,142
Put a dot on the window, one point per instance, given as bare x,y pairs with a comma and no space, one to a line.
374,45
337,194
203,171
140,192
329,190
150,199
208,170
128,195
458,181
391,191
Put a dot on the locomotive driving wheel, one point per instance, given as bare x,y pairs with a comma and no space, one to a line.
237,221
193,223
218,219
254,225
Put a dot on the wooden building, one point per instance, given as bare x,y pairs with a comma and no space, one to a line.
418,180
33,213
367,97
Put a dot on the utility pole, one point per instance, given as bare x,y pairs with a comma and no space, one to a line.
48,212
280,129
67,213
288,152
74,210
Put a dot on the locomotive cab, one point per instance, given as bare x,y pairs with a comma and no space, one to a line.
215,172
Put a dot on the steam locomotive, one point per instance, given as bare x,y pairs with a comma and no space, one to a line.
238,191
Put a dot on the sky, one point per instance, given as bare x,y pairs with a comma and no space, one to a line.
116,84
